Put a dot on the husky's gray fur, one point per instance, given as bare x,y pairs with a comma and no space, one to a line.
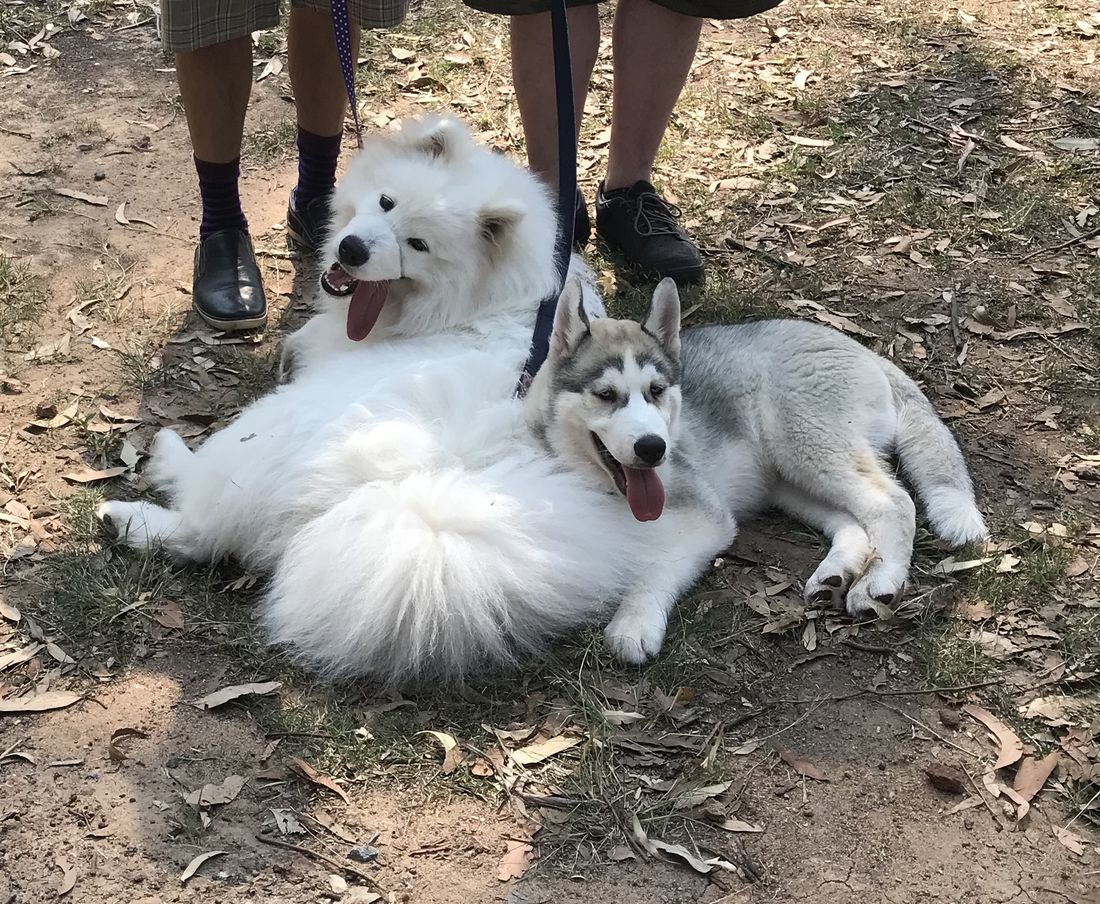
777,413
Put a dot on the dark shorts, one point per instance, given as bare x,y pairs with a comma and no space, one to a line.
702,9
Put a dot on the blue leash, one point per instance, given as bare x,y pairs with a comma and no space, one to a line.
567,163
567,192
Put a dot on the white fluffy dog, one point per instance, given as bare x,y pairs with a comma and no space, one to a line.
413,528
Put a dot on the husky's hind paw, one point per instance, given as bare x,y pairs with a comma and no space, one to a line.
636,632
826,587
870,594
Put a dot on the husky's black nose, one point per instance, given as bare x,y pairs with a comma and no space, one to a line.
353,251
650,449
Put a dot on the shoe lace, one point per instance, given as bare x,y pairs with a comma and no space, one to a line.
653,215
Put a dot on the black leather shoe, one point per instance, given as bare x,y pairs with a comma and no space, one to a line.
306,225
643,226
228,291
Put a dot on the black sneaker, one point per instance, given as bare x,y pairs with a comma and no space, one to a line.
228,292
582,225
643,226
306,226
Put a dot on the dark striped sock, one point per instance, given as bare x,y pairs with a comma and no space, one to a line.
221,197
317,156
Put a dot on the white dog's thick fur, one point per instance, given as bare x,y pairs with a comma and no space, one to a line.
413,528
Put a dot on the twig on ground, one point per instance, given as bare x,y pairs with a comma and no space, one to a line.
868,647
1084,237
931,731
317,855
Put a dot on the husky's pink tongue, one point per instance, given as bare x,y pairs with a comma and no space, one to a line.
364,308
645,493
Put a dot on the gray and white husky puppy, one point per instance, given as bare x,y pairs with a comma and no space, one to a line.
719,422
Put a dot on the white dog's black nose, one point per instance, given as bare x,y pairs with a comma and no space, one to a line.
353,251
650,449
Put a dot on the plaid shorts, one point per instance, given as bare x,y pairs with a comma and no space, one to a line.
702,9
193,24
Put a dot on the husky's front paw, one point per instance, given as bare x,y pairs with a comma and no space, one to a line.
636,633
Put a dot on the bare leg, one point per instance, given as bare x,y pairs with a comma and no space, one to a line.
319,93
653,49
215,83
533,78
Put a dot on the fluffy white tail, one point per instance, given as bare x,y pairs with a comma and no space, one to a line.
934,463
438,574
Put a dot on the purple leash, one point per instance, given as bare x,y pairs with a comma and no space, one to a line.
341,26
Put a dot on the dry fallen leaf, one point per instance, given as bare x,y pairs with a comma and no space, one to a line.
18,657
193,866
682,853
1033,773
170,617
620,853
543,750
94,200
737,825
68,877
235,691
114,751
946,778
216,795
697,796
39,703
801,766
1009,746
452,754
1070,840
9,612
516,860
810,142
316,778
90,475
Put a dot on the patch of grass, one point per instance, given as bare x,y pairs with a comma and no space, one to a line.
21,297
141,368
1040,571
267,145
105,292
951,658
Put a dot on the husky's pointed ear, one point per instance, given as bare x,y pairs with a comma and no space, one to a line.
663,319
498,220
438,137
570,320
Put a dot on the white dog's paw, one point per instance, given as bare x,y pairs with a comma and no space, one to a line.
827,586
636,633
880,587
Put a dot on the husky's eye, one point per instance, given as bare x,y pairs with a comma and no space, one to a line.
607,395
387,203
657,390
417,244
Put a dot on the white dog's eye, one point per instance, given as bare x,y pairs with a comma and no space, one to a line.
417,244
607,395
387,203
657,390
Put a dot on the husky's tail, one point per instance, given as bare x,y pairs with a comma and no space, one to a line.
934,463
434,576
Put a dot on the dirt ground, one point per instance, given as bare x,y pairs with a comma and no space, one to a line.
923,176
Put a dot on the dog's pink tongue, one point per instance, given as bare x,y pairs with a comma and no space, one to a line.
645,493
364,308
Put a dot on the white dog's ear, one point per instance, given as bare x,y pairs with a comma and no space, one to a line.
663,319
570,320
498,220
439,137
